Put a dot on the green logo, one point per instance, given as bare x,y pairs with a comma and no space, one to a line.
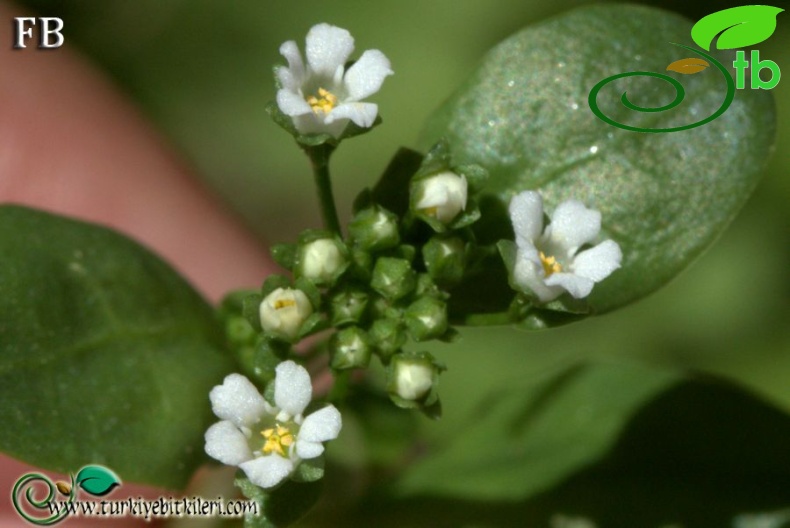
736,27
95,480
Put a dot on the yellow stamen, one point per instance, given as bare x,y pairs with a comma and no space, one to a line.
550,265
278,439
430,211
324,103
283,303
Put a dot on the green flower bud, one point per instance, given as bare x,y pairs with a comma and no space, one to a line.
350,348
321,261
347,307
283,312
445,259
388,337
426,318
412,377
375,229
393,278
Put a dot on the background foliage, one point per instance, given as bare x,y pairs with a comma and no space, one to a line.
201,71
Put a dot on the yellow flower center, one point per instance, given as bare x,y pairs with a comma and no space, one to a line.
431,211
324,103
278,440
283,303
550,265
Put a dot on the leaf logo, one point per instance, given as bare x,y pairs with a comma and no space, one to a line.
688,66
97,480
739,27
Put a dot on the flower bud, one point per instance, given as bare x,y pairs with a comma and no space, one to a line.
375,229
350,348
393,278
426,318
321,261
445,259
284,311
441,196
388,337
412,376
347,306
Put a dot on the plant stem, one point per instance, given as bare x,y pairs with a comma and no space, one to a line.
319,157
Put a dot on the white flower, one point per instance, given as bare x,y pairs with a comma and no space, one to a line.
321,260
322,96
267,442
547,263
442,196
284,311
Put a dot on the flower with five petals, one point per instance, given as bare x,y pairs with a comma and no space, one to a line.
269,442
548,262
321,96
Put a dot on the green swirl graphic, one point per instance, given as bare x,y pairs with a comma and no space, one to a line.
680,94
42,504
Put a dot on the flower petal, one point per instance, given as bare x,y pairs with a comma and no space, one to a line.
238,401
321,425
292,104
572,225
224,442
576,285
529,276
328,48
362,114
267,471
526,214
295,68
290,50
598,262
366,76
292,388
306,450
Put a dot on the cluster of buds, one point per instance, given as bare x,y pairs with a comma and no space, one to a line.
382,289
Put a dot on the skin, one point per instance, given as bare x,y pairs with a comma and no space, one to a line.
71,144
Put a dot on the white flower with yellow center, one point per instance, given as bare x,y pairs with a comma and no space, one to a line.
322,96
283,312
268,442
441,196
548,262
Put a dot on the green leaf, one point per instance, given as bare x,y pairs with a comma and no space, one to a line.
739,27
525,439
106,354
97,480
524,116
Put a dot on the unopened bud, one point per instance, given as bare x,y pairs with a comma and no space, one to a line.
441,196
321,261
350,348
445,259
284,311
412,376
375,229
388,337
393,278
426,318
348,307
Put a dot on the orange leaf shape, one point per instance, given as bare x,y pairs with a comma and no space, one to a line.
688,66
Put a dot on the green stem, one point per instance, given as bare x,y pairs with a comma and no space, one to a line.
319,157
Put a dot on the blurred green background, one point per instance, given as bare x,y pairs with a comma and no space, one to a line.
202,72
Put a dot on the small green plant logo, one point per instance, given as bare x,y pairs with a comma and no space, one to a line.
737,27
95,480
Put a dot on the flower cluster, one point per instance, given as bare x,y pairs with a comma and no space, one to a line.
385,285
